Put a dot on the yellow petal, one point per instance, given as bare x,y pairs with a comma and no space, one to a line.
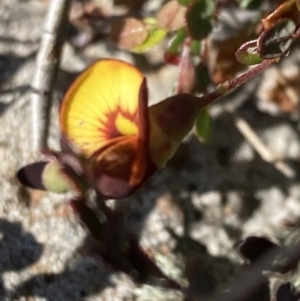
101,105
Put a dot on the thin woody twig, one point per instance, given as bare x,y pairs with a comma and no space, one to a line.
266,154
47,63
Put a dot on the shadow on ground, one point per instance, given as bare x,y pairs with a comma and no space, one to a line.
18,249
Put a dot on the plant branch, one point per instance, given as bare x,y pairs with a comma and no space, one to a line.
229,85
45,74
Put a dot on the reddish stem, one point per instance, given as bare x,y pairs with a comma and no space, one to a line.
233,83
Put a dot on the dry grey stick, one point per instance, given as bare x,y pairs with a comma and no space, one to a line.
47,63
266,154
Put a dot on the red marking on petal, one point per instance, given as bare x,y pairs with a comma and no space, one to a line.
125,163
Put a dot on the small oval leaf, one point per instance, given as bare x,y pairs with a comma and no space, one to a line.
176,42
199,19
128,33
205,8
171,16
198,29
247,54
276,41
185,2
203,125
250,4
202,77
155,36
195,47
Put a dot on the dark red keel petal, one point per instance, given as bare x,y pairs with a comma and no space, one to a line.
120,168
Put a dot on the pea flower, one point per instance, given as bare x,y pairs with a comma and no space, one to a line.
115,141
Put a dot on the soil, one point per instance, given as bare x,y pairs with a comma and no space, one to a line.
190,215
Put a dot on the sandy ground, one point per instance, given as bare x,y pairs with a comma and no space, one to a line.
210,196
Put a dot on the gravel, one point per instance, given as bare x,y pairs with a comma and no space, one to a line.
208,198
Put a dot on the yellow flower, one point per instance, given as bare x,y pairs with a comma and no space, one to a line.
105,117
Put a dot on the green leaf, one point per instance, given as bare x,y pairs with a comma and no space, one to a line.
205,8
185,2
250,4
203,125
195,47
155,36
247,54
276,41
199,19
176,42
202,77
198,29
